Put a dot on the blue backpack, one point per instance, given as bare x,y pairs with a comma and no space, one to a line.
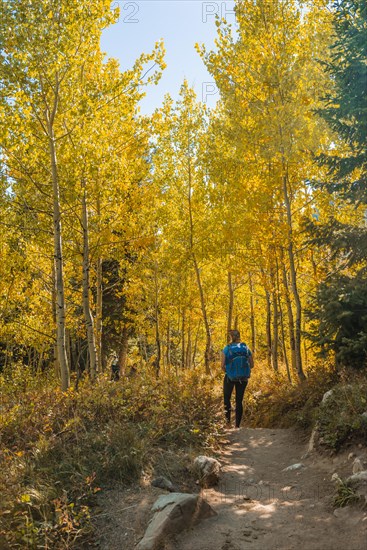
237,362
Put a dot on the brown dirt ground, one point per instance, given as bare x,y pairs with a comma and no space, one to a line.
258,505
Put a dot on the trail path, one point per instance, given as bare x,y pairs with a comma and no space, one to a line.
258,505
261,507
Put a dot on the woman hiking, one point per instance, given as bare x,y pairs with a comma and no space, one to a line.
236,362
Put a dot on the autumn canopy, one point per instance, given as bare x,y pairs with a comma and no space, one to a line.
149,237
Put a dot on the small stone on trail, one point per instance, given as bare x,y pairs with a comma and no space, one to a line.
358,477
293,467
357,466
351,455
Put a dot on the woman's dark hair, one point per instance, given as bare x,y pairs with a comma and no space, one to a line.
235,335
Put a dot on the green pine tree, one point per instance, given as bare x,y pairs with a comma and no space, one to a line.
346,109
340,304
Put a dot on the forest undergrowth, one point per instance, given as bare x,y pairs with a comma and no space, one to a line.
342,418
59,449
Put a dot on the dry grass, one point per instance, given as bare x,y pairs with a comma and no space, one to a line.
58,448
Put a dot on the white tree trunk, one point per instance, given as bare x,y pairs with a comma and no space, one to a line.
208,346
58,259
294,285
99,297
89,323
252,314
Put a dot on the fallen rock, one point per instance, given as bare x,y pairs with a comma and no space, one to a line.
293,467
163,483
173,513
358,477
207,469
357,466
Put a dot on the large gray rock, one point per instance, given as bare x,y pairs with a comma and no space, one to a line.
207,469
173,513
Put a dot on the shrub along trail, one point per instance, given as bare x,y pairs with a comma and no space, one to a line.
262,507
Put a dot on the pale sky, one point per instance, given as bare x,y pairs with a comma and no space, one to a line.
181,23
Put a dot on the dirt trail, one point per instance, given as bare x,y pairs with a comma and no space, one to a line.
261,507
258,505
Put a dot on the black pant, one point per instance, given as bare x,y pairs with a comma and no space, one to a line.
227,392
